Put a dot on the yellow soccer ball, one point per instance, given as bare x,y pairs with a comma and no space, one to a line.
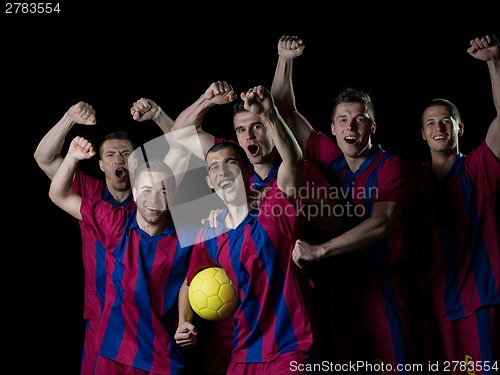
212,294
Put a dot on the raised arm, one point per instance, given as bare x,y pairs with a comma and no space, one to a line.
145,109
177,158
290,174
289,47
48,152
60,190
487,49
195,139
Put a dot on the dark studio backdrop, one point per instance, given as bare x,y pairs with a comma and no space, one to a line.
112,57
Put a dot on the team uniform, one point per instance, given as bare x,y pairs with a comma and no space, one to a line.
274,315
93,255
370,320
316,187
313,178
459,247
143,277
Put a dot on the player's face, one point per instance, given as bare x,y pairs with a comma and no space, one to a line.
152,192
253,136
440,130
225,176
353,128
114,163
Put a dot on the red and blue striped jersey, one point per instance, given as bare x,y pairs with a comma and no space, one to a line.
382,177
93,253
143,278
275,314
458,237
373,279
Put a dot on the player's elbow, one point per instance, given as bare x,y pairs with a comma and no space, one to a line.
54,196
40,160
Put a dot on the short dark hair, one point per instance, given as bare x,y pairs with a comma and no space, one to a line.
442,102
240,152
120,135
153,165
238,106
351,95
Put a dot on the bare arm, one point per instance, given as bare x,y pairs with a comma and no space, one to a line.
187,126
289,47
48,152
145,109
60,190
290,174
177,158
377,227
487,49
186,333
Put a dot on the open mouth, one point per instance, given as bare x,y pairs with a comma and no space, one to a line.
226,184
253,149
439,137
154,209
350,140
119,173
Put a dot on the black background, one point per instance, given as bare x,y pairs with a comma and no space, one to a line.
110,57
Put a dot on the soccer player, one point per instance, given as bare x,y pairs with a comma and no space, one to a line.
114,151
368,256
275,320
457,234
145,267
255,138
260,149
